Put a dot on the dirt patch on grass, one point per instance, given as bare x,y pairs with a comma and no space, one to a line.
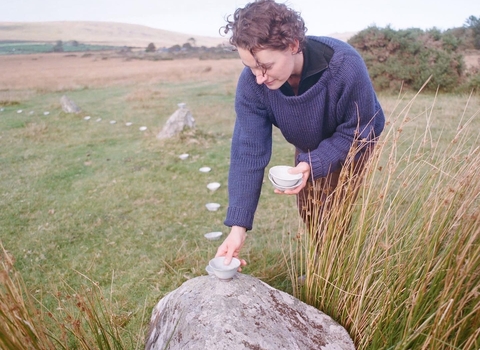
57,72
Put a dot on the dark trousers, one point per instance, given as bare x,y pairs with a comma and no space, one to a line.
318,196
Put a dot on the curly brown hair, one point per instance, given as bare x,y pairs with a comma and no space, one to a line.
265,24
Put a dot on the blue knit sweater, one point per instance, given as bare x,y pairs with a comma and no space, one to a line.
321,123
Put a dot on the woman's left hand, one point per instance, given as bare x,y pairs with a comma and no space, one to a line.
301,168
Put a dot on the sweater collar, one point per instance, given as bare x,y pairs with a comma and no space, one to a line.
316,56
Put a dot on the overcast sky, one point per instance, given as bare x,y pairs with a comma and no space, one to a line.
204,17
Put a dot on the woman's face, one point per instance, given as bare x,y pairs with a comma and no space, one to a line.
271,67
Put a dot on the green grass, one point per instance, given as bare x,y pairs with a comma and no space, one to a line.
108,199
84,198
22,48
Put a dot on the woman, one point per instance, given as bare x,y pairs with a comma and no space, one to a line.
316,90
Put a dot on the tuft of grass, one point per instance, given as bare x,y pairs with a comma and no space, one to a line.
81,320
20,325
399,265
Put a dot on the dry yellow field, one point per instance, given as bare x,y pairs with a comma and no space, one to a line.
56,72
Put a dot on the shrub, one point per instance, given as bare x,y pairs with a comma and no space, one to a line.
58,46
473,23
150,48
409,57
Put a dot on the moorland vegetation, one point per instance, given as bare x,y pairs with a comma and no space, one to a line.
407,58
99,220
396,59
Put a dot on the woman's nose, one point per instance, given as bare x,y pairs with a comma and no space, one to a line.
261,77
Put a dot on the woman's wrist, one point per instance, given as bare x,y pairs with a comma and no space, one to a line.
239,230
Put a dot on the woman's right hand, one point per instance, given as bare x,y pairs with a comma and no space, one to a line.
232,244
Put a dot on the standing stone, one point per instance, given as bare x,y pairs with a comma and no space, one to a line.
68,105
182,118
244,313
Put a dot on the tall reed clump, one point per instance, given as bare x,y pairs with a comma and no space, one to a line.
81,320
398,264
19,326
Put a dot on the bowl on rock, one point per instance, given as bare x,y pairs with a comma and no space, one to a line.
222,271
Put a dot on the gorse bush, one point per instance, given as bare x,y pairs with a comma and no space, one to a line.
398,265
409,57
473,23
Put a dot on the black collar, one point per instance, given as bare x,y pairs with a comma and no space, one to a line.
316,57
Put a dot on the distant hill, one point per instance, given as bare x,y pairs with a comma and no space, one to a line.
107,33
99,33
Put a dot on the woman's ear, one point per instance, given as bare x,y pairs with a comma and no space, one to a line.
294,47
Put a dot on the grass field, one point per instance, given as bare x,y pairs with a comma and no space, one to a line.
19,48
85,201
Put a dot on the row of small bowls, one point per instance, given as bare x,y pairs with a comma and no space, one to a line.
212,186
282,180
278,176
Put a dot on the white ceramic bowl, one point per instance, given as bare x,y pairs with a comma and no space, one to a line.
222,271
209,270
213,236
183,156
204,169
212,206
283,188
282,177
213,186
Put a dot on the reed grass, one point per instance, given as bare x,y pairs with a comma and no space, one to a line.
399,264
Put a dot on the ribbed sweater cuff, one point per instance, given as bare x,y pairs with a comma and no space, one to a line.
317,165
239,217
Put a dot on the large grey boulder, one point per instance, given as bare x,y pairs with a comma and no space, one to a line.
244,313
68,105
182,118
